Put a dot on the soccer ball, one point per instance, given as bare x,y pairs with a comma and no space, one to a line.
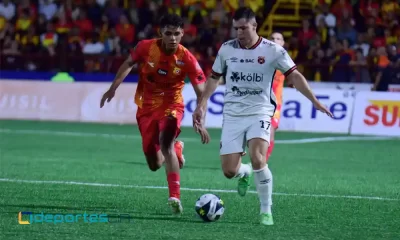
210,207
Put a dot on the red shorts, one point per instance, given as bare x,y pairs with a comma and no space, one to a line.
152,124
276,117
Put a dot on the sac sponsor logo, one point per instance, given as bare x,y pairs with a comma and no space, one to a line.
383,112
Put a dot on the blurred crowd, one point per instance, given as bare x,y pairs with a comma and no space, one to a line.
351,41
344,41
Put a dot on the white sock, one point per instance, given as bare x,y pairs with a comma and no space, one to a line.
244,170
263,181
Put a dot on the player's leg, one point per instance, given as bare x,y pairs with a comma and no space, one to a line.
258,137
231,149
169,129
148,128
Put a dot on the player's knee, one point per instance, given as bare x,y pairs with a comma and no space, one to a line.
153,163
154,167
229,173
258,159
258,152
230,164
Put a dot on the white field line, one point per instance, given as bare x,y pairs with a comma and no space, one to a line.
191,189
132,136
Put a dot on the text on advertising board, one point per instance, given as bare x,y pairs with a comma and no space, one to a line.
292,108
387,112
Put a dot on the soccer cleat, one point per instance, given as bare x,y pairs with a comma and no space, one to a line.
176,206
266,219
244,183
179,145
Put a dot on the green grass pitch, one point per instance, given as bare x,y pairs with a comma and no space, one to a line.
322,190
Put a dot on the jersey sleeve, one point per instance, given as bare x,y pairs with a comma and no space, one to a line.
219,66
138,52
284,62
193,69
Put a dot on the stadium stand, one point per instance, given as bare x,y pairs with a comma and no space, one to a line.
340,41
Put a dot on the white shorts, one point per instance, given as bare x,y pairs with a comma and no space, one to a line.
236,132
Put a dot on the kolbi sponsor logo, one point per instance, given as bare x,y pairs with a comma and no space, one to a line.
249,77
238,92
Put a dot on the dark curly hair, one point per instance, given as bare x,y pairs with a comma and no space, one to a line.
172,20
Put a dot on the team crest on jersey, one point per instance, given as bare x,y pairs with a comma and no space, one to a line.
261,60
177,71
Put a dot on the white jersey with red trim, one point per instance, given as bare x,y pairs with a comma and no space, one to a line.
249,75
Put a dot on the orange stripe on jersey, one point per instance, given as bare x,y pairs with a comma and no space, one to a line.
277,86
161,76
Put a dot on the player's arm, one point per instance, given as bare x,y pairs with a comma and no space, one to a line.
122,73
213,81
196,75
210,87
200,112
286,65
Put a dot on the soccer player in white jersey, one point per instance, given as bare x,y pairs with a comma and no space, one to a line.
249,64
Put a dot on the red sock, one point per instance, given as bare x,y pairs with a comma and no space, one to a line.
174,185
270,148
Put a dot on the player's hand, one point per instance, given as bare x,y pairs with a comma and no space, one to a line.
107,96
205,137
323,109
198,118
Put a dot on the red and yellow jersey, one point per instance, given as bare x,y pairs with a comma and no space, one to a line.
277,87
162,77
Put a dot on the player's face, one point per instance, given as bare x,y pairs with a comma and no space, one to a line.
171,36
277,38
245,29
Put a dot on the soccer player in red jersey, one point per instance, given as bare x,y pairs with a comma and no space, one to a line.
277,87
163,65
